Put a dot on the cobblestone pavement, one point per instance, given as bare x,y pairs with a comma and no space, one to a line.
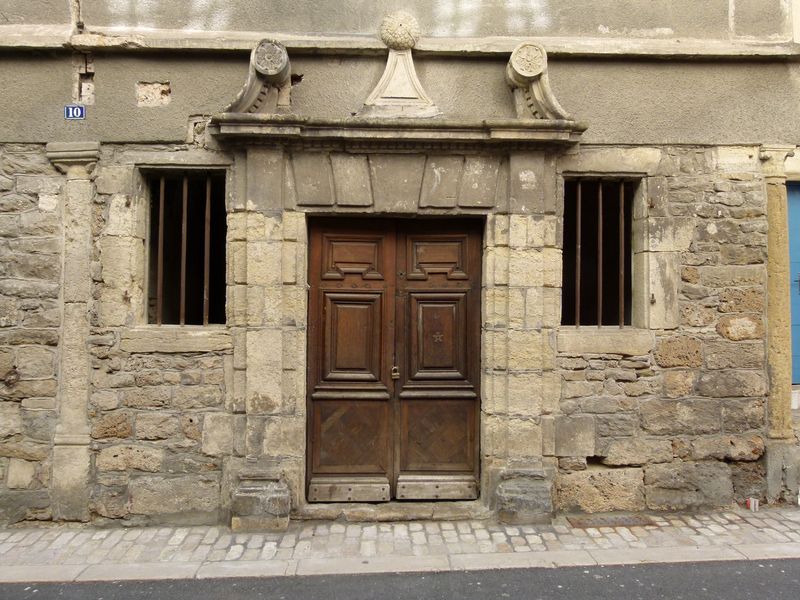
49,553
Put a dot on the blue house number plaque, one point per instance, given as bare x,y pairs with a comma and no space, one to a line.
74,112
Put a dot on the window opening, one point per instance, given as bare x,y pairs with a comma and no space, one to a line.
598,257
186,280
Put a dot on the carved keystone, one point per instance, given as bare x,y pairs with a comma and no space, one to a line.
526,73
268,84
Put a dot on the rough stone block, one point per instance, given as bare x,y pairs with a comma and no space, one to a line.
679,351
396,181
313,177
728,355
146,397
688,485
680,417
678,384
20,474
10,419
164,495
284,436
731,384
154,426
122,458
732,276
636,451
114,180
575,435
600,490
737,300
479,181
351,180
749,481
619,425
744,414
198,396
741,327
112,425
524,438
728,447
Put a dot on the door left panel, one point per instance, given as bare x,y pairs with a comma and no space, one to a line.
351,312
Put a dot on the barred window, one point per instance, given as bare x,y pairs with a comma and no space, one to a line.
598,256
186,244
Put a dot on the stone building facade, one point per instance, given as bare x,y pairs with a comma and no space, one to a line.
444,113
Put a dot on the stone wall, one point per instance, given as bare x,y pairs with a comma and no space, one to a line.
680,423
30,317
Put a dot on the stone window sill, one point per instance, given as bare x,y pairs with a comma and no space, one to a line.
176,338
628,341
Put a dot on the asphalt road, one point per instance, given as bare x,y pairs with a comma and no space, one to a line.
763,580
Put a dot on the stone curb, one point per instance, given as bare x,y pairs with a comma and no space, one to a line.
149,571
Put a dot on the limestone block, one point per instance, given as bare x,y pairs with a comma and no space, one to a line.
612,160
69,487
35,361
679,351
601,490
155,426
261,504
688,485
524,438
496,303
264,370
749,481
237,226
396,181
524,498
23,449
728,447
498,230
528,350
731,384
479,184
737,159
10,419
313,177
264,179
351,179
524,393
122,458
575,435
264,263
163,495
680,417
663,269
581,389
526,183
114,180
218,434
543,232
594,340
441,181
741,327
20,474
743,414
284,436
636,452
122,218
112,425
38,184
697,316
668,234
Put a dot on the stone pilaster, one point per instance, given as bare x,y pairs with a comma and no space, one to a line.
779,342
70,477
782,454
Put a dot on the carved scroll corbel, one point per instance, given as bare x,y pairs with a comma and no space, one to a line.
526,73
268,85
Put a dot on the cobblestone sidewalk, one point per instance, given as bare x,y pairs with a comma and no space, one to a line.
64,553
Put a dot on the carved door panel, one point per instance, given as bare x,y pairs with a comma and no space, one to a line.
394,329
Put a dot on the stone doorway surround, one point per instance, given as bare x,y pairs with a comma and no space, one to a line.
394,160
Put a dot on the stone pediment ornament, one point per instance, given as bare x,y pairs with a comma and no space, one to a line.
399,92
268,83
526,73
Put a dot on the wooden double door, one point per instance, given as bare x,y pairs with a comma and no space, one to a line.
394,359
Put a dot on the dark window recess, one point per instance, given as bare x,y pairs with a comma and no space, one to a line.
598,259
186,271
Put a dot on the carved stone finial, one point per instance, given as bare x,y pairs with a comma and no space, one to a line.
400,31
399,92
526,73
269,81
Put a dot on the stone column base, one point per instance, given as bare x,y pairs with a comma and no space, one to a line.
70,485
783,471
525,496
262,502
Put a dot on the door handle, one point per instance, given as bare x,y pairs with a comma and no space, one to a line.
395,373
